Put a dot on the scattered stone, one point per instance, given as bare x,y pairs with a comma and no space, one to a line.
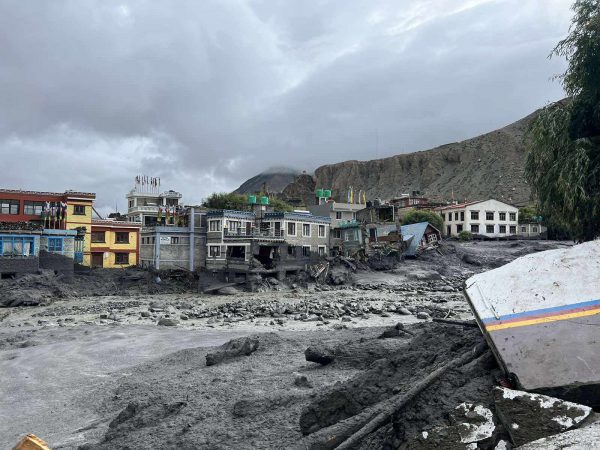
228,290
528,417
166,322
319,354
145,314
423,315
232,349
301,381
184,317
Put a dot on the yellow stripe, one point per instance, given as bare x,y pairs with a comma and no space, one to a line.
523,323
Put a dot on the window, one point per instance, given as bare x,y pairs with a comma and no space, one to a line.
98,236
306,229
513,216
502,229
502,216
55,245
122,237
474,228
462,216
306,250
17,246
523,229
513,229
449,217
432,237
121,258
291,228
131,203
321,250
321,231
214,225
489,228
337,234
9,206
79,210
338,215
534,229
459,228
292,251
456,216
214,251
489,215
33,208
175,240
474,215
353,216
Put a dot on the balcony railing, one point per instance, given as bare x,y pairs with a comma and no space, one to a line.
253,234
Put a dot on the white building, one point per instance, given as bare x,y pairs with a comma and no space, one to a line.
341,214
490,218
144,203
532,230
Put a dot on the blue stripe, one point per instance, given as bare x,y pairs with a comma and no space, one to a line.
543,311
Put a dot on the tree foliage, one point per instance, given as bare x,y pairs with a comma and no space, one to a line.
563,164
423,215
239,202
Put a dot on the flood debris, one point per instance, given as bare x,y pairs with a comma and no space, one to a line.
320,354
541,315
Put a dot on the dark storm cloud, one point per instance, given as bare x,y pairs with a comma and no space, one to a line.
206,94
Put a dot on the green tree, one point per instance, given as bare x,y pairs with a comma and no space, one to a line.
528,214
239,202
424,215
563,164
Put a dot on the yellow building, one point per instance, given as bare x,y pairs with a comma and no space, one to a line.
79,217
114,244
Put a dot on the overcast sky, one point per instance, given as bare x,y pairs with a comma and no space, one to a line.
205,94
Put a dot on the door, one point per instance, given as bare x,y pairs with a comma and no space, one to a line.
277,228
97,259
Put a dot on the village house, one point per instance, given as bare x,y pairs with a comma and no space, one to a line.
489,218
146,204
114,244
532,230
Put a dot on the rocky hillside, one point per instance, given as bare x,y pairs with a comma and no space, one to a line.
275,179
487,166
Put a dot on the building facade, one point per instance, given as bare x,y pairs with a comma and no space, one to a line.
340,215
149,207
532,230
489,218
114,244
70,210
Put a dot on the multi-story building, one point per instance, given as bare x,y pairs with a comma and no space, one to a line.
341,214
176,247
114,243
242,242
147,205
70,210
532,230
489,218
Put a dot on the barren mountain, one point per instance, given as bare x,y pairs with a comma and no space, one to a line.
486,166
274,179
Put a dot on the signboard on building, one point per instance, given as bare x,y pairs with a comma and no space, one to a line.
165,240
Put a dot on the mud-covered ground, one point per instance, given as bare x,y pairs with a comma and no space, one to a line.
97,369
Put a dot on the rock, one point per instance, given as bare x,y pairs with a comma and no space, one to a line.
423,315
228,290
404,311
580,438
168,322
301,381
273,281
232,349
470,260
145,314
184,317
528,417
319,354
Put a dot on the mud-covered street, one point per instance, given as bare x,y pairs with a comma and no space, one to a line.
129,370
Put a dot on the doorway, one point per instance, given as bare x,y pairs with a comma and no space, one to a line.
97,259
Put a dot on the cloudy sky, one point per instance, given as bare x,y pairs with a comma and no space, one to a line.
205,94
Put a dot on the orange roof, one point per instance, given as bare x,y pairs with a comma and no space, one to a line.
457,206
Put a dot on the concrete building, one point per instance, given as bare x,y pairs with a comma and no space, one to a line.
114,244
532,230
416,237
242,242
176,247
147,205
489,218
340,214
70,210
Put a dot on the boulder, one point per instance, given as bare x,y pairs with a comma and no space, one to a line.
166,322
233,349
528,417
319,354
228,290
301,381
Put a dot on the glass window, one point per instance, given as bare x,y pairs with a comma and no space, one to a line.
33,208
513,229
338,215
513,216
9,207
306,229
306,250
523,229
291,250
175,240
214,225
489,228
474,215
214,251
449,217
456,215
489,215
474,228
321,230
291,228
79,210
502,229
321,250
502,216
122,237
534,229
98,236
121,258
55,245
462,216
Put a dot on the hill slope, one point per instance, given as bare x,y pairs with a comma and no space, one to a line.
487,166
276,180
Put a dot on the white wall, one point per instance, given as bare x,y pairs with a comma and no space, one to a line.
500,227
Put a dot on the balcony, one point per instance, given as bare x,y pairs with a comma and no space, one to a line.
241,234
143,209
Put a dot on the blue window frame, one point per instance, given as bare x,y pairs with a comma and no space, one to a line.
15,245
55,244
